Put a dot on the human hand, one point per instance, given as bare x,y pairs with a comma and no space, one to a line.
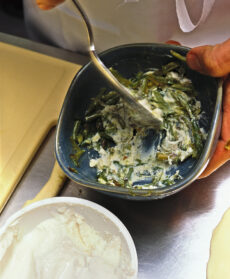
48,4
215,61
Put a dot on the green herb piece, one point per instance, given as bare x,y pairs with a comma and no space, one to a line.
162,157
169,67
129,174
77,153
126,82
79,138
76,129
105,136
178,56
159,99
108,96
120,120
72,170
102,176
227,146
86,142
185,88
76,156
92,117
95,102
197,138
157,175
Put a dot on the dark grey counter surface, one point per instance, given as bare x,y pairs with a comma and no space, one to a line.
172,235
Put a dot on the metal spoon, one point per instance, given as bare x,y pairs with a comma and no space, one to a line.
142,114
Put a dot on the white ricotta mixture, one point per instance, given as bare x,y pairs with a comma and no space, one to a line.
136,157
62,247
127,158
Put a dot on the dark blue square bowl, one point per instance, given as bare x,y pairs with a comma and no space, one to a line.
128,60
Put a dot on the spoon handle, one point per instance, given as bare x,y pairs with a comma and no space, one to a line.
145,116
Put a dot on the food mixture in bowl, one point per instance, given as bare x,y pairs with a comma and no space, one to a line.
128,155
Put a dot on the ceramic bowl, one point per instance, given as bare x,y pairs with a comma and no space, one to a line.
128,60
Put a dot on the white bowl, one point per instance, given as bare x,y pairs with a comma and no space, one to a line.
101,219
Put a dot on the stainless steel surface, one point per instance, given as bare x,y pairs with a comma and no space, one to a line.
172,235
142,115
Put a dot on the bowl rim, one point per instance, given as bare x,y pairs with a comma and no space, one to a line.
146,194
74,201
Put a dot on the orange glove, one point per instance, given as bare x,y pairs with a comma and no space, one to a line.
215,61
48,4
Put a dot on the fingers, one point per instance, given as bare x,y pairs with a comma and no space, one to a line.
225,131
172,42
48,4
220,156
210,60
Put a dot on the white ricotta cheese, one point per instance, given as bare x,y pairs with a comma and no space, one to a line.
62,247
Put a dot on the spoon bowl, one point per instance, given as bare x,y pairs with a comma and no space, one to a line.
142,114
